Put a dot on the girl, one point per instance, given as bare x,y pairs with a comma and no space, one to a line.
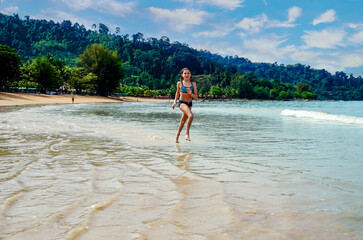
186,91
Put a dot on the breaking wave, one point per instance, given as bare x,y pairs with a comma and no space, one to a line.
323,116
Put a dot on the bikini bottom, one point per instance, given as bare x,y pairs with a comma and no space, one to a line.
189,104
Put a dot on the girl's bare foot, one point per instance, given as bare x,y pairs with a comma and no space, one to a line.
177,138
187,138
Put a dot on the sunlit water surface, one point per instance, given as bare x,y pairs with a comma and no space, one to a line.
253,170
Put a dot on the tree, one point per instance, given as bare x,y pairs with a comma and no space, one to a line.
105,64
216,91
144,79
261,92
302,87
138,37
80,80
9,65
45,73
308,95
243,87
204,84
103,29
117,30
26,79
282,95
274,93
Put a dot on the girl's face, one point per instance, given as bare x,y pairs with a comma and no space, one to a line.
186,74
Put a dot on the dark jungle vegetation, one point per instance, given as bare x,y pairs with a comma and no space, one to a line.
45,55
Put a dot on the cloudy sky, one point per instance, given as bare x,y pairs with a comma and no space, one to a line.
323,34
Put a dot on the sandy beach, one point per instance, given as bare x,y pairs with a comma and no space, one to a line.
19,99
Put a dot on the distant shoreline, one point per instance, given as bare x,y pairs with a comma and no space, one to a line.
10,100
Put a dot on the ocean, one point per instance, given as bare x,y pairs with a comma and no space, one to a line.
253,170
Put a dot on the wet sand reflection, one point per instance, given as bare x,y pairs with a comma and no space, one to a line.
182,159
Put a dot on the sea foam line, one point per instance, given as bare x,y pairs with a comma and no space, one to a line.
323,116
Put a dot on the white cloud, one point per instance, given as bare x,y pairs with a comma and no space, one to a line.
222,48
327,17
330,67
303,56
317,59
293,14
10,10
357,38
325,39
351,60
213,34
243,35
179,19
253,24
272,49
227,4
116,8
79,4
263,44
107,6
355,25
276,24
330,61
267,49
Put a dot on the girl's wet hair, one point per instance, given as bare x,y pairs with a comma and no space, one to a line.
181,74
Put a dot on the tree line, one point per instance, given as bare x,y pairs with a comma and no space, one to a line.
151,66
99,72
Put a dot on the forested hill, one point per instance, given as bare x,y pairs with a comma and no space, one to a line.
156,62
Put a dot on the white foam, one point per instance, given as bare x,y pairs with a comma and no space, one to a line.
323,116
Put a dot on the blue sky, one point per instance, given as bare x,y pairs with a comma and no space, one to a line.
323,34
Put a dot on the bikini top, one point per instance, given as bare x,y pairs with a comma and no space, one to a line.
184,89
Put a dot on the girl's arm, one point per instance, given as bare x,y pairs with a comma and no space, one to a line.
177,93
193,94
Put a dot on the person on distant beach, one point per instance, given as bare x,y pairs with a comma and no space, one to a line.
186,91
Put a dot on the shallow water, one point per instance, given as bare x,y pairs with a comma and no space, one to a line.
254,170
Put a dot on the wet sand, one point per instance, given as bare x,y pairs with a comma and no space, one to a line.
20,99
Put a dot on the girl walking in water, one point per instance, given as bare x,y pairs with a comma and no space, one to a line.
186,91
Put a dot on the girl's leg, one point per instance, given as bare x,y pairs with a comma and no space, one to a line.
188,113
189,123
181,125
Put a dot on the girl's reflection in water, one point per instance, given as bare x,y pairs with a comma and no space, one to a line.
182,159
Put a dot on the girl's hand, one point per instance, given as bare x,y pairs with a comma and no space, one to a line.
173,106
189,91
